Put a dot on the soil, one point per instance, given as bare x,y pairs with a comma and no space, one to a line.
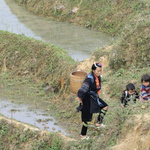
137,137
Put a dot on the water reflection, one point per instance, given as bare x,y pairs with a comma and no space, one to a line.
34,116
9,22
79,42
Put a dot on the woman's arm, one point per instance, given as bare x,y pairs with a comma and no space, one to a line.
84,89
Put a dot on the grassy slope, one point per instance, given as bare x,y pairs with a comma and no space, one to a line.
127,19
28,57
21,136
105,15
64,107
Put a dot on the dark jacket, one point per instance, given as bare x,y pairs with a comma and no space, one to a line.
126,98
90,106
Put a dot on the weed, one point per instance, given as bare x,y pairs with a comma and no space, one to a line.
3,131
33,64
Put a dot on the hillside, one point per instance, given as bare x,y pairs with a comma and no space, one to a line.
26,62
138,136
111,16
129,21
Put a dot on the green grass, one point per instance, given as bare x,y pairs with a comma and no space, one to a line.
37,60
20,137
122,77
31,64
129,21
65,109
108,16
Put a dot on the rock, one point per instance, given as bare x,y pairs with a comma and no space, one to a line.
60,7
74,10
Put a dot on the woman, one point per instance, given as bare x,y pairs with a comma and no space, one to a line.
88,96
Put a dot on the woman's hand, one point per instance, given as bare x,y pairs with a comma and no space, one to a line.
80,101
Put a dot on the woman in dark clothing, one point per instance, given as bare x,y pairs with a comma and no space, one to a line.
88,96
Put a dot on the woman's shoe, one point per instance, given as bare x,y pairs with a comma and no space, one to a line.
84,137
100,125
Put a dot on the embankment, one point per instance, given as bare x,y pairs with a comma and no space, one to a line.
127,59
19,136
107,16
24,56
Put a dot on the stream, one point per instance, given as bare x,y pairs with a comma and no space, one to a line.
79,42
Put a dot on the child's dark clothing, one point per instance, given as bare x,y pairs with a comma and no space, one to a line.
126,98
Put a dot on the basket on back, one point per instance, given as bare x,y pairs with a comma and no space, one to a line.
76,80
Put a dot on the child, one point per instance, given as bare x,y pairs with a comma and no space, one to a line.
129,95
145,89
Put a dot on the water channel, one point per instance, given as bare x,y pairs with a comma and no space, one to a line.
31,115
77,41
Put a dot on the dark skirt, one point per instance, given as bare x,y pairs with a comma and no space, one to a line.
86,116
90,106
